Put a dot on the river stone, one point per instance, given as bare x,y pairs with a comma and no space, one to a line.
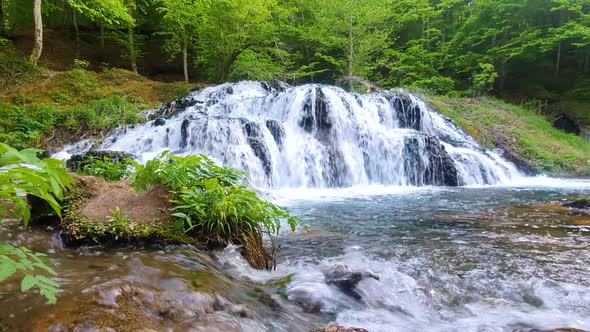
159,122
347,279
338,328
76,162
581,204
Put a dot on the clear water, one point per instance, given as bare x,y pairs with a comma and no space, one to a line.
464,259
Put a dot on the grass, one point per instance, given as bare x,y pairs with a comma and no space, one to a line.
44,108
526,136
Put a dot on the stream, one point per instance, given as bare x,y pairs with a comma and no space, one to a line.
462,259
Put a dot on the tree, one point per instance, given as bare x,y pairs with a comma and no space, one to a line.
38,39
179,23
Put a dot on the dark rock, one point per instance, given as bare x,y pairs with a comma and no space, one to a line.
159,122
277,131
581,204
347,279
440,169
274,86
566,124
316,115
76,162
258,145
409,114
184,133
552,330
337,328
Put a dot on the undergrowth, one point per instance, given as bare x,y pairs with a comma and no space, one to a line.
523,134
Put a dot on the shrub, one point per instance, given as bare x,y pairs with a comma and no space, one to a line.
483,80
22,174
21,125
210,201
100,115
111,170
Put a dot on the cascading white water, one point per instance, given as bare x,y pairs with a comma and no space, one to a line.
317,136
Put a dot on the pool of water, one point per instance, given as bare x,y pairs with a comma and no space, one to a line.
464,259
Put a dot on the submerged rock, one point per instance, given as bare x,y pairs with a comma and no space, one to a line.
581,204
338,328
347,279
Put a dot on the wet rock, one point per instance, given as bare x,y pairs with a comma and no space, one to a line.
581,204
277,131
408,112
159,122
76,162
316,115
184,133
338,328
427,162
552,330
258,145
346,279
274,86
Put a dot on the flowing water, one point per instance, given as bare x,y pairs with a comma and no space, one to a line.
365,173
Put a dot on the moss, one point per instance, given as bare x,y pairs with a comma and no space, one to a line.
80,230
527,137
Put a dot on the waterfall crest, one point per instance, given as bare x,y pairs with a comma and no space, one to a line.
317,136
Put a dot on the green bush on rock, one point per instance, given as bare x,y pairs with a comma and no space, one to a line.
210,202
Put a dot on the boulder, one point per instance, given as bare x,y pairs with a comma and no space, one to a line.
338,328
346,279
580,204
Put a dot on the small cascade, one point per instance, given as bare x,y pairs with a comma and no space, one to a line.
317,136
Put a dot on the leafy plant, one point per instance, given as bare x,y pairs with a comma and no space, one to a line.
111,170
22,260
22,174
483,80
80,64
211,201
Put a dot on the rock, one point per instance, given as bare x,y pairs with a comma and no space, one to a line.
277,131
408,112
184,133
316,115
159,122
440,169
552,330
347,279
76,162
258,145
338,328
581,204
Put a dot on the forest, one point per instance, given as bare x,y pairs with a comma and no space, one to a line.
281,165
520,49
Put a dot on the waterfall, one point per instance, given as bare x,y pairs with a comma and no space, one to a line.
317,136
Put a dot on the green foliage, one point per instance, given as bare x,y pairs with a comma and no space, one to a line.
80,64
13,69
111,170
209,199
22,125
483,80
31,265
22,173
100,115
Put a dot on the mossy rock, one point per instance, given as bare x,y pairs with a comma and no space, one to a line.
96,211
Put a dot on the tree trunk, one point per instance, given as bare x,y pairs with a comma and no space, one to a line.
586,63
558,61
502,76
77,32
185,58
350,50
131,41
38,42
